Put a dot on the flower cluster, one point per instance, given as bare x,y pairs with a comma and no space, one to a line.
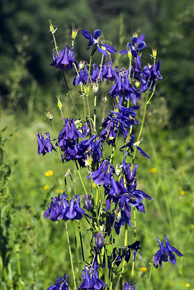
61,209
113,192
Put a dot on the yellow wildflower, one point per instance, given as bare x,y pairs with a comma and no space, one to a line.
153,170
143,269
182,192
46,187
48,173
60,191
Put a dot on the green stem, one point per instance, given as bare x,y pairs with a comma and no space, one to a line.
80,177
77,250
57,51
95,113
149,278
84,100
53,35
120,275
80,236
123,264
19,270
140,131
71,258
135,232
89,71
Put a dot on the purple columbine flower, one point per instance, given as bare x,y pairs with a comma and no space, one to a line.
98,175
69,132
60,284
132,144
96,40
91,280
150,75
165,254
74,211
137,43
125,117
108,73
60,208
99,241
127,286
82,77
44,145
65,58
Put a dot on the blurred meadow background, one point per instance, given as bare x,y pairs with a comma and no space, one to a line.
33,251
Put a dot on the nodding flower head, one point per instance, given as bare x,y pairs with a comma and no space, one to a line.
64,58
165,254
96,40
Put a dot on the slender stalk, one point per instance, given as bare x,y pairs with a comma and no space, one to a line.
52,30
77,249
71,258
19,270
81,242
123,264
95,113
135,232
80,177
120,275
150,274
140,131
84,101
89,71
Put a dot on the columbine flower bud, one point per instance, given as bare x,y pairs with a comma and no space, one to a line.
99,241
81,64
74,32
95,88
105,100
137,84
118,216
52,29
59,104
88,202
118,169
154,52
86,90
49,115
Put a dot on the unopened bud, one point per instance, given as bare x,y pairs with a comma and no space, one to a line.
59,104
99,241
118,169
86,90
81,64
95,88
49,115
154,52
52,29
118,216
137,84
74,32
88,202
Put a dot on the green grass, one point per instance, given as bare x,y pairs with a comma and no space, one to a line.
39,246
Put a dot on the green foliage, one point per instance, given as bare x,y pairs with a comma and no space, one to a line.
38,244
25,25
